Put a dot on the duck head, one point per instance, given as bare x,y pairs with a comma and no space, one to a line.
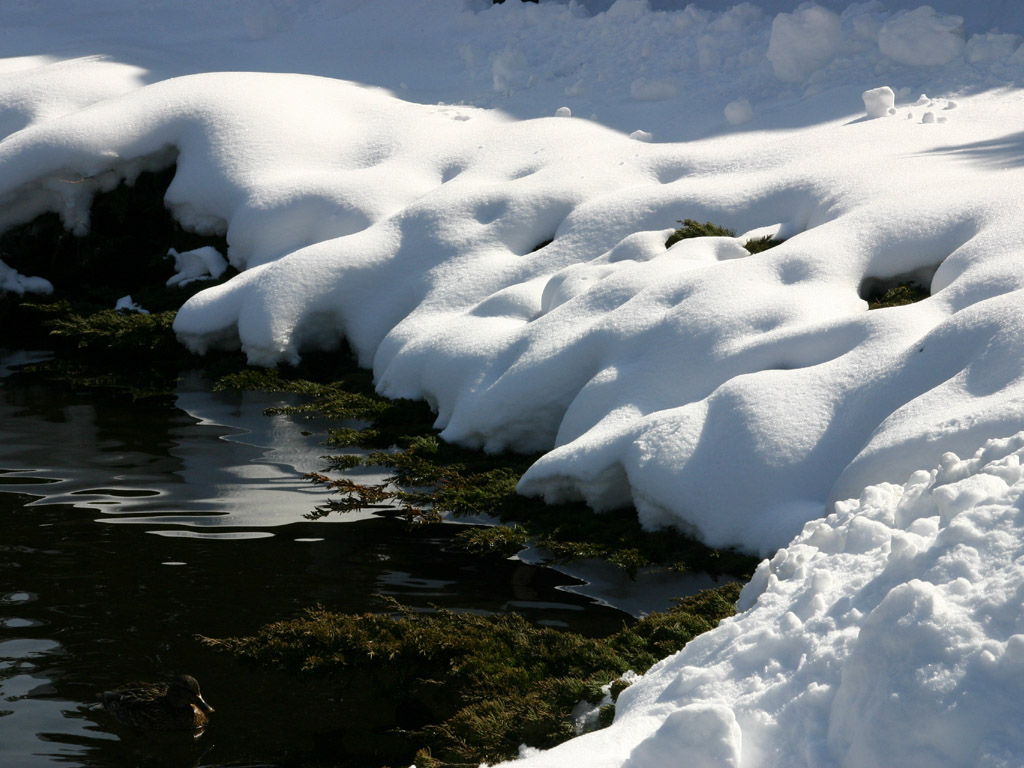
183,691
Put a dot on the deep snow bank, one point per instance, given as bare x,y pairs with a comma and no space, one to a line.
888,633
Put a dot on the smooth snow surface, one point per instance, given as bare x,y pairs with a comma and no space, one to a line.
477,199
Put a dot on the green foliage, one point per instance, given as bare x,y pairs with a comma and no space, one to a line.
483,685
109,332
107,348
900,295
693,228
500,540
429,478
761,244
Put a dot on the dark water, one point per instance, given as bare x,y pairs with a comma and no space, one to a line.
126,528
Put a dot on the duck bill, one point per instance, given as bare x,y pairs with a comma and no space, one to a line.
203,706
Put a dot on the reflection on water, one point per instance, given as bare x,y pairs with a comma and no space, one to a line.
194,464
212,541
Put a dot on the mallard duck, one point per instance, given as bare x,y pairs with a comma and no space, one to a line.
176,705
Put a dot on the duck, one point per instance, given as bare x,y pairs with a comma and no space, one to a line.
176,705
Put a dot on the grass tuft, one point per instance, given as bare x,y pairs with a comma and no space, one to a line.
898,296
692,228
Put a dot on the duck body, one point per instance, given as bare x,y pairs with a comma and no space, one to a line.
176,705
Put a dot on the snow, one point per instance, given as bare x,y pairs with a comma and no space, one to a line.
126,304
804,41
879,102
888,633
204,263
12,281
922,37
417,189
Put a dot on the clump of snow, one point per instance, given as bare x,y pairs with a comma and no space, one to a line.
879,102
887,633
803,41
739,112
125,304
922,37
991,47
204,263
12,281
563,112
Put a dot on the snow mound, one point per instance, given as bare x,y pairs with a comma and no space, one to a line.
922,37
888,633
803,42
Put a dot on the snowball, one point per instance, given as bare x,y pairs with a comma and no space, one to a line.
563,112
739,112
879,102
922,37
642,136
803,42
929,117
204,263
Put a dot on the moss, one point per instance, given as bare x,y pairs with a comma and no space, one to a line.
693,228
898,296
480,685
430,478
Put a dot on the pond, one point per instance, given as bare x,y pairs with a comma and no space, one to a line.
129,527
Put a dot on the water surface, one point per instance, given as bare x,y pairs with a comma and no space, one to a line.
128,527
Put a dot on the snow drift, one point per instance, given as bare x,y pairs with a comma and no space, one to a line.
731,394
888,633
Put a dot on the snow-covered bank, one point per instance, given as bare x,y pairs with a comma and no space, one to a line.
737,396
413,232
888,633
